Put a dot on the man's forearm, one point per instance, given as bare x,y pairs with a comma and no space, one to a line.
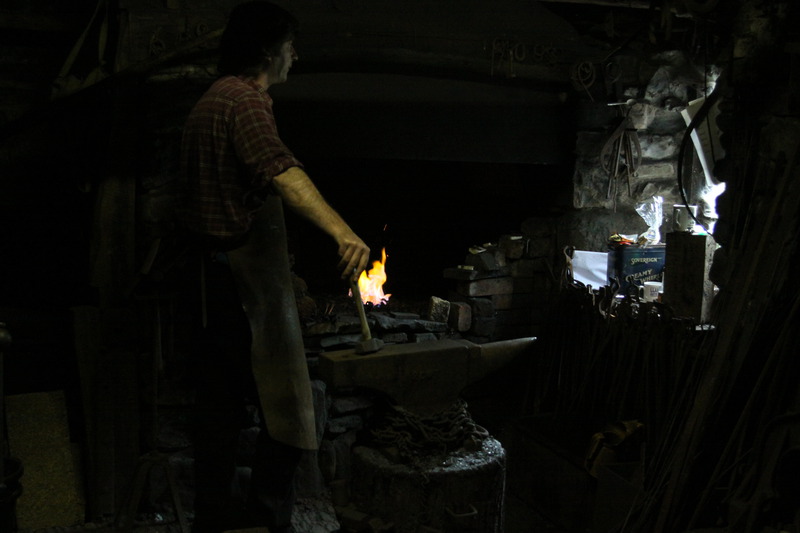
301,195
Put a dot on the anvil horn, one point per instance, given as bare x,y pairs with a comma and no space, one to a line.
423,377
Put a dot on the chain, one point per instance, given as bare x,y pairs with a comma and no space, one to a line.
413,435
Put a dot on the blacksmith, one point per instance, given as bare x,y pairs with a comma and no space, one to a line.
238,175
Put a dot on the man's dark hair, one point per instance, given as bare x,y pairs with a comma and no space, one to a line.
255,32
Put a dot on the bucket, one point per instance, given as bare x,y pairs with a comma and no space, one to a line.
10,491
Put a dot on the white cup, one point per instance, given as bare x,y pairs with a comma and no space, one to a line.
682,220
651,290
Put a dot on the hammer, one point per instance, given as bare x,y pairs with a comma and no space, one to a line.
367,344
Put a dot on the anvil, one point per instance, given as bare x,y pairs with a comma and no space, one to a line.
425,377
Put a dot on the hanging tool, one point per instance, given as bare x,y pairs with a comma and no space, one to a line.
583,76
567,277
367,344
622,152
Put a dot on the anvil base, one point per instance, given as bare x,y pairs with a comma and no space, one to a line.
460,491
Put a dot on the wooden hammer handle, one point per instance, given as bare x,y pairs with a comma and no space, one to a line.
362,315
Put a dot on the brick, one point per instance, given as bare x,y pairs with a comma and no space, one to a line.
482,261
513,246
468,273
487,287
514,300
438,309
483,326
461,273
499,255
460,316
480,306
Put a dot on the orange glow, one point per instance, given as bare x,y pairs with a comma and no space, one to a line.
371,283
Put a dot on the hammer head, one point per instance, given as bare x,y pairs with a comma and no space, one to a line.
368,346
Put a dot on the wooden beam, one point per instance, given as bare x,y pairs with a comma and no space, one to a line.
627,4
631,4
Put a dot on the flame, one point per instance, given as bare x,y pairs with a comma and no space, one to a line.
371,283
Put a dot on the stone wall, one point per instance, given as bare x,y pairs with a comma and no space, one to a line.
653,106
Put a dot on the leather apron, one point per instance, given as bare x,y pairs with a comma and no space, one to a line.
262,273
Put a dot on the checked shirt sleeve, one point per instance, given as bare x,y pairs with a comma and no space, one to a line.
255,137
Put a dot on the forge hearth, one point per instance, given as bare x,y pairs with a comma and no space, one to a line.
343,330
498,291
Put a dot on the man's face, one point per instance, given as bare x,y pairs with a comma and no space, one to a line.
278,70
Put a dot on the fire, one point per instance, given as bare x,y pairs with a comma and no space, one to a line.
371,283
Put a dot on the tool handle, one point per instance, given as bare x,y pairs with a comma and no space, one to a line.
362,315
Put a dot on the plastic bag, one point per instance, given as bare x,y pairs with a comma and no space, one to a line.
653,214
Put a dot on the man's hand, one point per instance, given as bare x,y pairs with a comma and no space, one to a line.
354,256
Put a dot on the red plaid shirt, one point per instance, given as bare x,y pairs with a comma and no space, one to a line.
229,154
